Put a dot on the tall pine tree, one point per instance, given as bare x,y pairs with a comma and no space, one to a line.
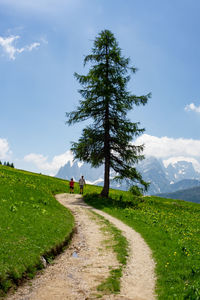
106,100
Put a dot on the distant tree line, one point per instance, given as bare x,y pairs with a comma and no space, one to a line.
6,163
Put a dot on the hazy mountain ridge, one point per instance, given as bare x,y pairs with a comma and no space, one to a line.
164,179
191,194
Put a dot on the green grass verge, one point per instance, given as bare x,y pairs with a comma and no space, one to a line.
32,223
119,245
172,230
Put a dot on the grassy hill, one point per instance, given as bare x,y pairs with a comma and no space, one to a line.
172,230
32,223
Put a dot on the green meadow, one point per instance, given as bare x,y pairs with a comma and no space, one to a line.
172,230
34,224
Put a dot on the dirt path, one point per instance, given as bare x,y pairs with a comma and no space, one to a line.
76,273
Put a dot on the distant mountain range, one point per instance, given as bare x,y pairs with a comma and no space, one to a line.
77,169
191,194
165,178
168,178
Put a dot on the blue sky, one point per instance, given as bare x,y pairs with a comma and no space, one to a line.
42,44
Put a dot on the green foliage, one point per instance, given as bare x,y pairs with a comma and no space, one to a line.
136,191
106,101
172,230
32,222
112,283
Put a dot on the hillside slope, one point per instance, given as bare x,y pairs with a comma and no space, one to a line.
32,223
171,229
191,195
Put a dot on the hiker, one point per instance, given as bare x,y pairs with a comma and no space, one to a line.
71,186
81,184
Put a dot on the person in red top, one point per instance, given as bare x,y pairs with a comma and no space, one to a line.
71,186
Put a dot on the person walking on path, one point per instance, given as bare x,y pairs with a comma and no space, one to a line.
71,186
81,184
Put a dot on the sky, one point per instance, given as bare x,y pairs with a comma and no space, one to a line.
42,44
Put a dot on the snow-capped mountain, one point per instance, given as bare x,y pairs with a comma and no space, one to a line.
181,170
153,171
163,174
77,169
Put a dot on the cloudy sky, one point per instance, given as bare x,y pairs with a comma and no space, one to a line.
42,44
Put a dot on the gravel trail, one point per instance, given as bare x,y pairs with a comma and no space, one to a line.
76,273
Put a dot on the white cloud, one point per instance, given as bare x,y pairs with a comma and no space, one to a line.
6,44
5,151
166,147
174,160
170,150
192,107
11,50
32,46
38,159
49,167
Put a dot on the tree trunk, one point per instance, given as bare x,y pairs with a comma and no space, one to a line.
105,190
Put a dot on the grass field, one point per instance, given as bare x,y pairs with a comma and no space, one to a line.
32,223
171,229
